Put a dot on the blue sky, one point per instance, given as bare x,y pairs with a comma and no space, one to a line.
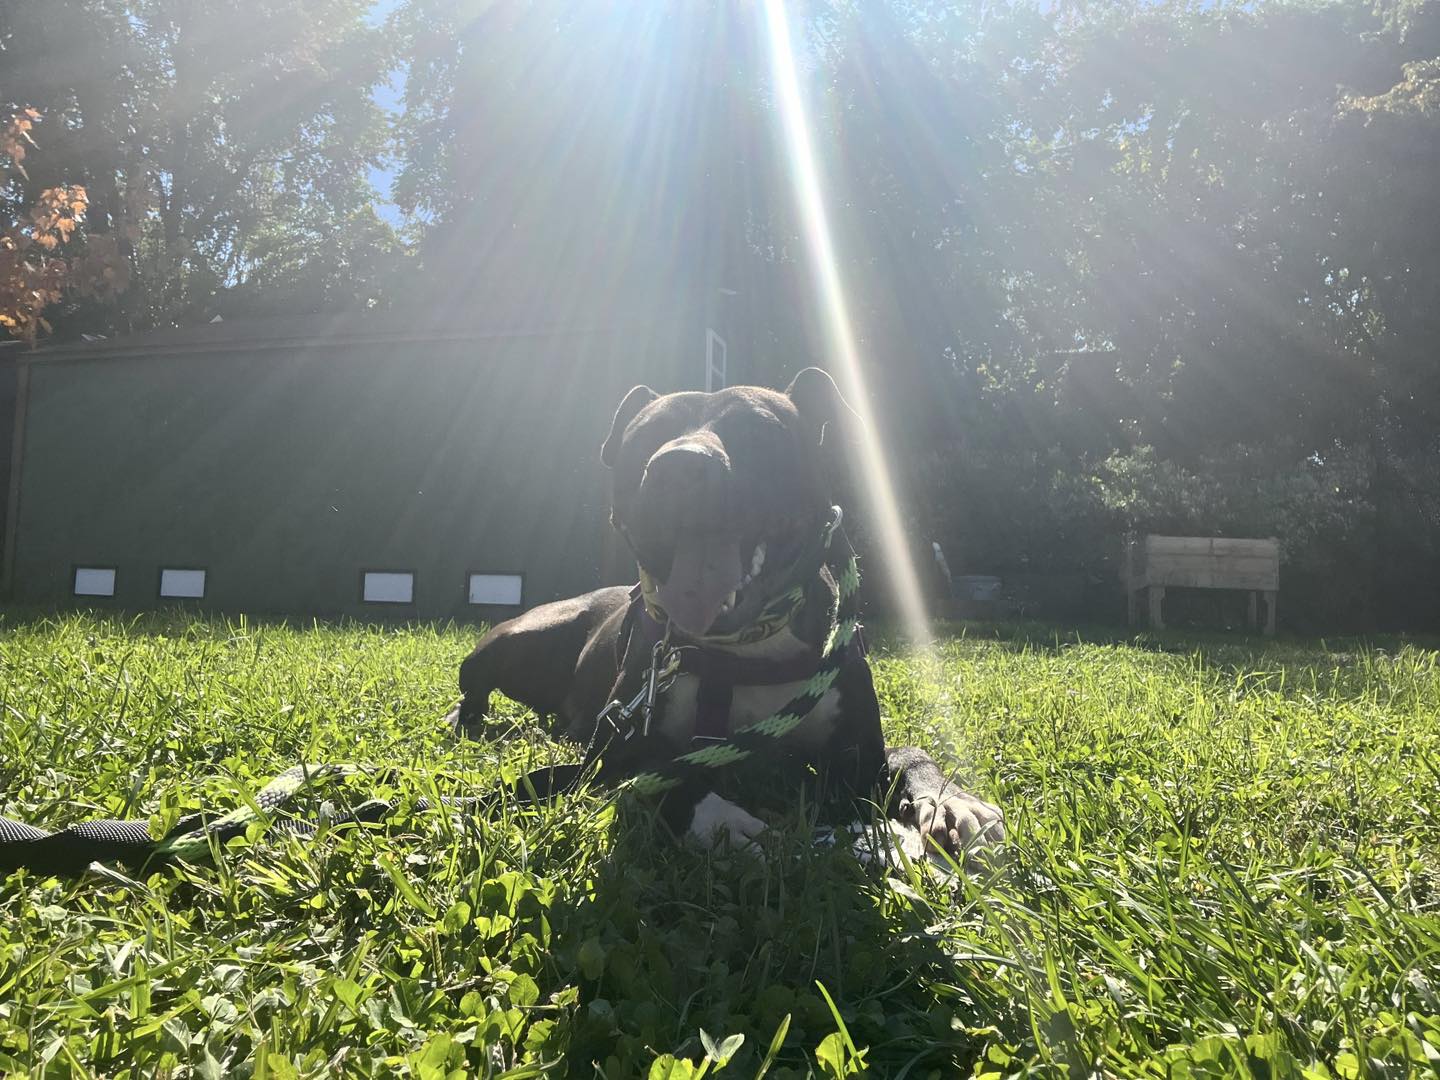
389,97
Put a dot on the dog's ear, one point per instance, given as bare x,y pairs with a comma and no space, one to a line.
635,400
820,404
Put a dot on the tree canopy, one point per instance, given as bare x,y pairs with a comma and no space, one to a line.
224,146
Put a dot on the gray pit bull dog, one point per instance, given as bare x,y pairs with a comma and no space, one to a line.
724,501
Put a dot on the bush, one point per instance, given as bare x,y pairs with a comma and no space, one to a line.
1359,539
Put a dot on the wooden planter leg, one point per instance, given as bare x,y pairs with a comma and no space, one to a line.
1271,597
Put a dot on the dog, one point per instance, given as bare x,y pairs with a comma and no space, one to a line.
724,500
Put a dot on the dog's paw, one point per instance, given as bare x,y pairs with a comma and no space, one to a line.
458,725
718,821
956,822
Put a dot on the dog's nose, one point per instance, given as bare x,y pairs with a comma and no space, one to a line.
687,464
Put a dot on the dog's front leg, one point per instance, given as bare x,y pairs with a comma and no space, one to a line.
952,819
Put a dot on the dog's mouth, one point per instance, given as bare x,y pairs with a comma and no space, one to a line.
716,584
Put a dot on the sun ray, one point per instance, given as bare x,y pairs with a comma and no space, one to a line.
904,581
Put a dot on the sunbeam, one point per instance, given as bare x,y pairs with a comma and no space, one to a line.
805,177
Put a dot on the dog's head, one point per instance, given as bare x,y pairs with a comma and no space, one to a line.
722,495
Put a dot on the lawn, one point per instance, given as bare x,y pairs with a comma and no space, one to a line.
1224,859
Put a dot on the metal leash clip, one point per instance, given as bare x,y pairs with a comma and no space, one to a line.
664,666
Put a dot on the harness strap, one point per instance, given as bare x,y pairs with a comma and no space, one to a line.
712,708
720,672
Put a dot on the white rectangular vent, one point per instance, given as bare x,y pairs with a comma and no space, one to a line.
389,587
94,581
182,584
503,589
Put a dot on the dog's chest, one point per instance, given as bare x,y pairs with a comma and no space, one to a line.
749,705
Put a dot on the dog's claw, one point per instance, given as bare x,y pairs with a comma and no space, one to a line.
957,823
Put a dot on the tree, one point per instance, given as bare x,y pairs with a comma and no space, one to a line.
575,156
34,268
202,130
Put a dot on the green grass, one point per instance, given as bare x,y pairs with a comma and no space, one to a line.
1225,860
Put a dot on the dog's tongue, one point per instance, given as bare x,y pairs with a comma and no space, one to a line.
704,572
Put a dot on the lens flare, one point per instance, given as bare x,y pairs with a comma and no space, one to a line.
805,177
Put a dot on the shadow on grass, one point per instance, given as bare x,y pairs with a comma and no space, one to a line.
671,940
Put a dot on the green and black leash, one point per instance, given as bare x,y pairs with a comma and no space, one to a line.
72,850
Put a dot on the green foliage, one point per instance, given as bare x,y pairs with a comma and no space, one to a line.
1009,509
1241,494
224,146
1205,229
580,158
1223,861
1357,533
